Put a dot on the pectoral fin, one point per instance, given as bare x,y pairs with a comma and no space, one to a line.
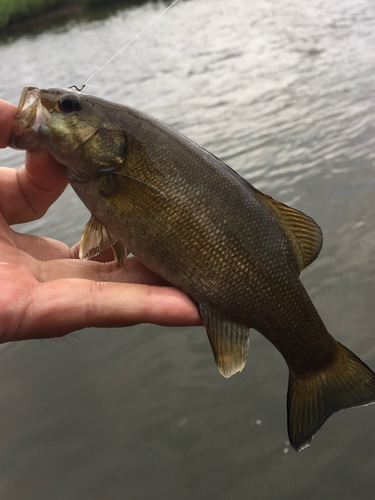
96,238
229,341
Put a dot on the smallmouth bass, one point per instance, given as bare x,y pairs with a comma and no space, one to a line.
194,221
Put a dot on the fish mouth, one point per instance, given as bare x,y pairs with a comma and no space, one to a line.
29,117
28,108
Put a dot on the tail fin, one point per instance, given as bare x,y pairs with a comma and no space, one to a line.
346,383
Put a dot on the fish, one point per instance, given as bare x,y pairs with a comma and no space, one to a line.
194,221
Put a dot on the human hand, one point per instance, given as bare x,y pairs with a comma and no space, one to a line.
45,290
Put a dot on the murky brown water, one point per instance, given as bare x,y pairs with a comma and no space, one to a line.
283,91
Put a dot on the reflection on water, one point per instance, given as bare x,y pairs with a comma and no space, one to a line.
283,92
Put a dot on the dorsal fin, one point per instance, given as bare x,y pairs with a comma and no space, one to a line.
303,233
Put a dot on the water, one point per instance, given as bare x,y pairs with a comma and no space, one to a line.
284,92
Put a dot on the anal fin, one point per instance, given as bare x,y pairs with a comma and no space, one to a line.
229,341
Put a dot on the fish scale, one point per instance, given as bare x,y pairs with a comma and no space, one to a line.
194,221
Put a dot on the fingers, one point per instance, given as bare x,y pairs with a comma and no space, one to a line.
26,194
41,299
59,307
45,173
132,271
7,113
50,260
41,181
41,248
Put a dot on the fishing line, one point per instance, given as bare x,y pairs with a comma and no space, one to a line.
127,44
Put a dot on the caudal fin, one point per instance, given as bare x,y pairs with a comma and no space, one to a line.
346,383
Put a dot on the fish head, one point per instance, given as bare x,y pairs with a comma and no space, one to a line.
72,127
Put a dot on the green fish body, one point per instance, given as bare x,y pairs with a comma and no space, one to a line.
194,221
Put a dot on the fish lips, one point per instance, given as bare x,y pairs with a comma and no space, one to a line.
29,117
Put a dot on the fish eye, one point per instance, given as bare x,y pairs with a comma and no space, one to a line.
69,103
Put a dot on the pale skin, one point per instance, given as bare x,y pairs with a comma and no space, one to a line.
45,290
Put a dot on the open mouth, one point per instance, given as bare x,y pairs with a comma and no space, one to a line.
30,115
30,112
27,108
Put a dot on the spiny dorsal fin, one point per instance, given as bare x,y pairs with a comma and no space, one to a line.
96,238
229,341
303,233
